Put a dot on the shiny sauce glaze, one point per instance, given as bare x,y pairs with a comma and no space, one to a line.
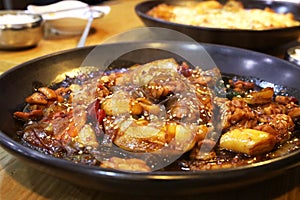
213,122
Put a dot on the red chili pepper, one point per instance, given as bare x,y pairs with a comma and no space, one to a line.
100,113
97,104
185,70
294,99
95,112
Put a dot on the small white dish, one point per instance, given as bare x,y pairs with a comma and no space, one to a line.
293,55
68,16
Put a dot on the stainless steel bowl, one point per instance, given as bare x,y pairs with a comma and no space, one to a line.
293,55
16,32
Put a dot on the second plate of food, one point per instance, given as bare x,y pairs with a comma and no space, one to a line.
258,25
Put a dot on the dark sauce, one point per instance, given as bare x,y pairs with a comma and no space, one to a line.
224,158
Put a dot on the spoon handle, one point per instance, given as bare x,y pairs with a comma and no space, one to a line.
86,30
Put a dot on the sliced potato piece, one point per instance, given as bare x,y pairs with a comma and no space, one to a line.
259,97
143,74
121,103
248,141
139,136
185,137
130,164
87,136
142,136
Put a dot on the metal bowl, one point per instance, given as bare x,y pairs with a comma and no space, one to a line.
259,40
292,55
19,29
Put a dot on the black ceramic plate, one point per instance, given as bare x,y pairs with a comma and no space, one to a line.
260,40
228,59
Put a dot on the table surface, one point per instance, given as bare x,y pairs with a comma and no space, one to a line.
19,181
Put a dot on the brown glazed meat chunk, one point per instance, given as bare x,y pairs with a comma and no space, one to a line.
237,114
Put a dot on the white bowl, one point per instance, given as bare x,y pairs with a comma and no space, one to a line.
69,16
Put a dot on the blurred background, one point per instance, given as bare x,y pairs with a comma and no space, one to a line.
22,4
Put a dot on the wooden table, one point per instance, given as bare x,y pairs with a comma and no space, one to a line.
121,18
19,181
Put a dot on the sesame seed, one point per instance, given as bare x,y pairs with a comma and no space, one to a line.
88,147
